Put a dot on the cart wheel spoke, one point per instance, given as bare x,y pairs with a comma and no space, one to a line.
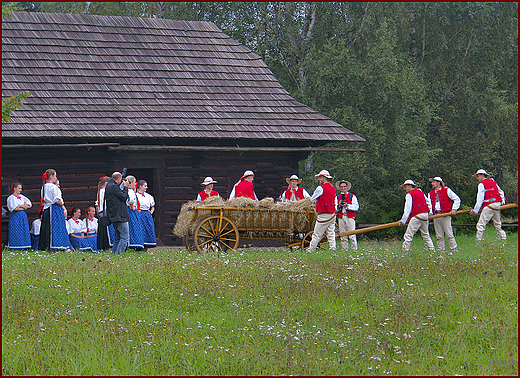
209,237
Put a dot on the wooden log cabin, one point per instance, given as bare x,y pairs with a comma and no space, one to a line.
173,101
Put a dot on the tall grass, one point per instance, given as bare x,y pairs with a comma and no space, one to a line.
264,312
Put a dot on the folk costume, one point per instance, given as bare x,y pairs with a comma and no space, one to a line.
145,202
294,194
102,233
135,225
346,215
444,200
489,199
207,192
417,208
77,227
19,236
116,196
35,233
244,188
326,203
53,231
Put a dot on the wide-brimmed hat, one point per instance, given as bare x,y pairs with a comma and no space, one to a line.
349,185
293,177
482,171
324,173
437,178
247,173
208,180
409,182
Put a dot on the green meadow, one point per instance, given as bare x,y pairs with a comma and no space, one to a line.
377,311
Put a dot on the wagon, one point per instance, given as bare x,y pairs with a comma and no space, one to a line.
220,228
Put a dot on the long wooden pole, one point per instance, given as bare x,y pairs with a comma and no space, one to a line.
393,224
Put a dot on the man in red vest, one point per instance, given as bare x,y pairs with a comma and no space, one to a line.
244,187
325,198
489,199
347,207
208,189
294,192
443,200
416,212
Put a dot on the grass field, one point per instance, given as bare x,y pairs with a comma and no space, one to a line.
377,311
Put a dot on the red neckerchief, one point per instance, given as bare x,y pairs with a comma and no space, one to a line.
91,219
77,221
19,197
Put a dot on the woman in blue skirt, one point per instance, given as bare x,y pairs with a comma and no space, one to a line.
79,239
53,231
146,207
135,225
19,235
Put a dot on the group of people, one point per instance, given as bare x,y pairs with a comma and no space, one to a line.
123,207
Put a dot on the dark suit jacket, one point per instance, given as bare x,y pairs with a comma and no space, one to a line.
117,211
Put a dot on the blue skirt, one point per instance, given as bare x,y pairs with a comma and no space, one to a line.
59,235
136,230
111,234
34,241
19,235
148,228
89,243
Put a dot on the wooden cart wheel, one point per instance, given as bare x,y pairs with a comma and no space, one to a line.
306,241
216,234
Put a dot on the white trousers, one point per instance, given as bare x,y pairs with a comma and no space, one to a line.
321,228
486,215
414,225
347,224
443,228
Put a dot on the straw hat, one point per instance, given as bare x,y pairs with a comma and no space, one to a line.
437,178
482,171
324,173
293,177
349,185
409,182
247,173
208,180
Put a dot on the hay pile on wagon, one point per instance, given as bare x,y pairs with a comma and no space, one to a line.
263,217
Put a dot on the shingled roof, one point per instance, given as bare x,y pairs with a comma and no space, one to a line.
124,77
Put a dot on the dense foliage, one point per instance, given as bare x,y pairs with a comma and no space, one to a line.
432,87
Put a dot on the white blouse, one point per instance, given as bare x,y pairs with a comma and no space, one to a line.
36,225
76,227
146,201
132,199
101,198
91,224
13,202
52,194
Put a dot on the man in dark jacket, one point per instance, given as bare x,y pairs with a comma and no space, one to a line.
116,195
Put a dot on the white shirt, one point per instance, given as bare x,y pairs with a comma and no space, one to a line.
52,194
145,202
480,197
101,198
13,202
451,195
318,192
36,225
354,206
92,225
76,228
132,199
408,206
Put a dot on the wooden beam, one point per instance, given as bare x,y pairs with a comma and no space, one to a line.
219,148
60,145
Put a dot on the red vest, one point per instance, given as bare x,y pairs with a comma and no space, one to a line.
325,202
491,193
419,204
245,189
444,200
203,195
348,199
298,194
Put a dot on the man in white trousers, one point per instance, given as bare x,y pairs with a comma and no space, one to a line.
417,208
347,207
325,199
443,200
489,199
